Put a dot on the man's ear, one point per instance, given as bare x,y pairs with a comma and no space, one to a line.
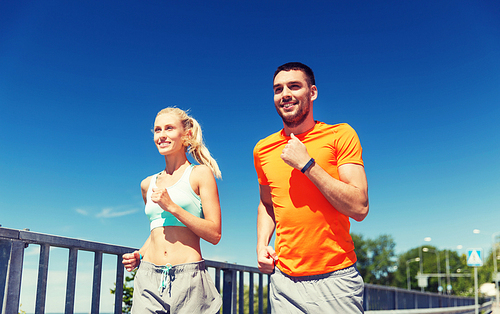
314,92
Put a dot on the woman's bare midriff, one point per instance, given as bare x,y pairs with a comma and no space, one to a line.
173,245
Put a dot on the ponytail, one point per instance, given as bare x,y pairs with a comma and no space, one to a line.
194,143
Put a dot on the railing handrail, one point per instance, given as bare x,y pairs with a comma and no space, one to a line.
13,242
11,271
415,292
31,237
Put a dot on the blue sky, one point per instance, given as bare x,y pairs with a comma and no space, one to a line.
81,83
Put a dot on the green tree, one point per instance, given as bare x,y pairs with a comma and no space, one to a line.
376,258
429,260
128,291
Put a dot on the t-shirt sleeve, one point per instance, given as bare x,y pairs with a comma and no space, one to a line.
258,166
348,147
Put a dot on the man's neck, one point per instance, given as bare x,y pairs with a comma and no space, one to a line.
305,126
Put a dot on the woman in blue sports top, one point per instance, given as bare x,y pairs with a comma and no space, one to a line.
182,204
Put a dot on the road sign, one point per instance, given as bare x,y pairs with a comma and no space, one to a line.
422,280
475,257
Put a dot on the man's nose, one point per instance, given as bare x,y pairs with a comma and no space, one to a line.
286,92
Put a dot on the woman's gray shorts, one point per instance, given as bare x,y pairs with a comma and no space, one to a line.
338,292
185,288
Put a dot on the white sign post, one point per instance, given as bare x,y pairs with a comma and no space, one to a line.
475,259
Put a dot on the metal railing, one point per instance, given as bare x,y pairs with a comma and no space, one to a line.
13,243
391,298
230,276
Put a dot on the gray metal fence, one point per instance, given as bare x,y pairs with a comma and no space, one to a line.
14,242
390,298
230,279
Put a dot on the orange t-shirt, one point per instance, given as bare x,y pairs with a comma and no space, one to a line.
312,237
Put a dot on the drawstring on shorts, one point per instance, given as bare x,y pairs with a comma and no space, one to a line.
165,274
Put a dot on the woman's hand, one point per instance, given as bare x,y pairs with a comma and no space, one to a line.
162,198
131,260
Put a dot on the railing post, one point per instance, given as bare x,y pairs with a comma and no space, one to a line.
229,292
71,281
241,292
5,248
41,287
119,284
396,305
96,284
15,270
366,299
261,293
217,282
250,294
269,293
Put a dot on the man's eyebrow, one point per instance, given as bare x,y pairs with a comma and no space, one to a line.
287,83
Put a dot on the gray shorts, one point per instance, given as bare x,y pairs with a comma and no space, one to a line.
338,292
185,288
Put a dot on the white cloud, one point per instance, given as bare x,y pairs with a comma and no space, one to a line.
82,211
112,212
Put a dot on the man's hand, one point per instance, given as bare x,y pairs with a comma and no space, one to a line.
295,153
131,260
266,259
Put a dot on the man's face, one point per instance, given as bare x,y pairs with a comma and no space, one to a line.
293,97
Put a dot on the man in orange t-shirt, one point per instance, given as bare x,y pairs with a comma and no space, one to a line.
312,180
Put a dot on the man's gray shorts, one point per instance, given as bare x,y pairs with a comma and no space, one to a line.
185,288
338,292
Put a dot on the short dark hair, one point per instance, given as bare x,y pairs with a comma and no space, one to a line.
297,66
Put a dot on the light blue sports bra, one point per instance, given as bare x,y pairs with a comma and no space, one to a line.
181,193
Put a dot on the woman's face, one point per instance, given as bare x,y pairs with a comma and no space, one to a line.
169,134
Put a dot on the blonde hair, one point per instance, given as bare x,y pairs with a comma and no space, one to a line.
194,143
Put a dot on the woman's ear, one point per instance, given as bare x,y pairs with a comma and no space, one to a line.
187,138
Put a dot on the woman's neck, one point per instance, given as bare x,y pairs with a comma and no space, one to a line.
173,163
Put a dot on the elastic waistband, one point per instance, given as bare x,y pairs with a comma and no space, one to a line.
335,273
175,269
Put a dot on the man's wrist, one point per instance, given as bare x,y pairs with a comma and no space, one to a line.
308,165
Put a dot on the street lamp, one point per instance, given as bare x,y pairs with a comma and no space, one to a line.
416,259
440,288
426,239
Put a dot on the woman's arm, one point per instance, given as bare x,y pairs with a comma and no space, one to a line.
132,260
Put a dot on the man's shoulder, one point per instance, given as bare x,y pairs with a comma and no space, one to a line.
338,129
337,126
277,136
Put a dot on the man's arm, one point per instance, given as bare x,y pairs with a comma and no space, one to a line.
266,256
349,195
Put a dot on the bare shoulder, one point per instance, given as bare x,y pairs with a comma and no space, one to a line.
202,172
202,178
145,183
144,188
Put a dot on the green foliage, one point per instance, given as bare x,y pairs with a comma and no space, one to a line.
462,286
378,264
246,299
128,291
376,259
